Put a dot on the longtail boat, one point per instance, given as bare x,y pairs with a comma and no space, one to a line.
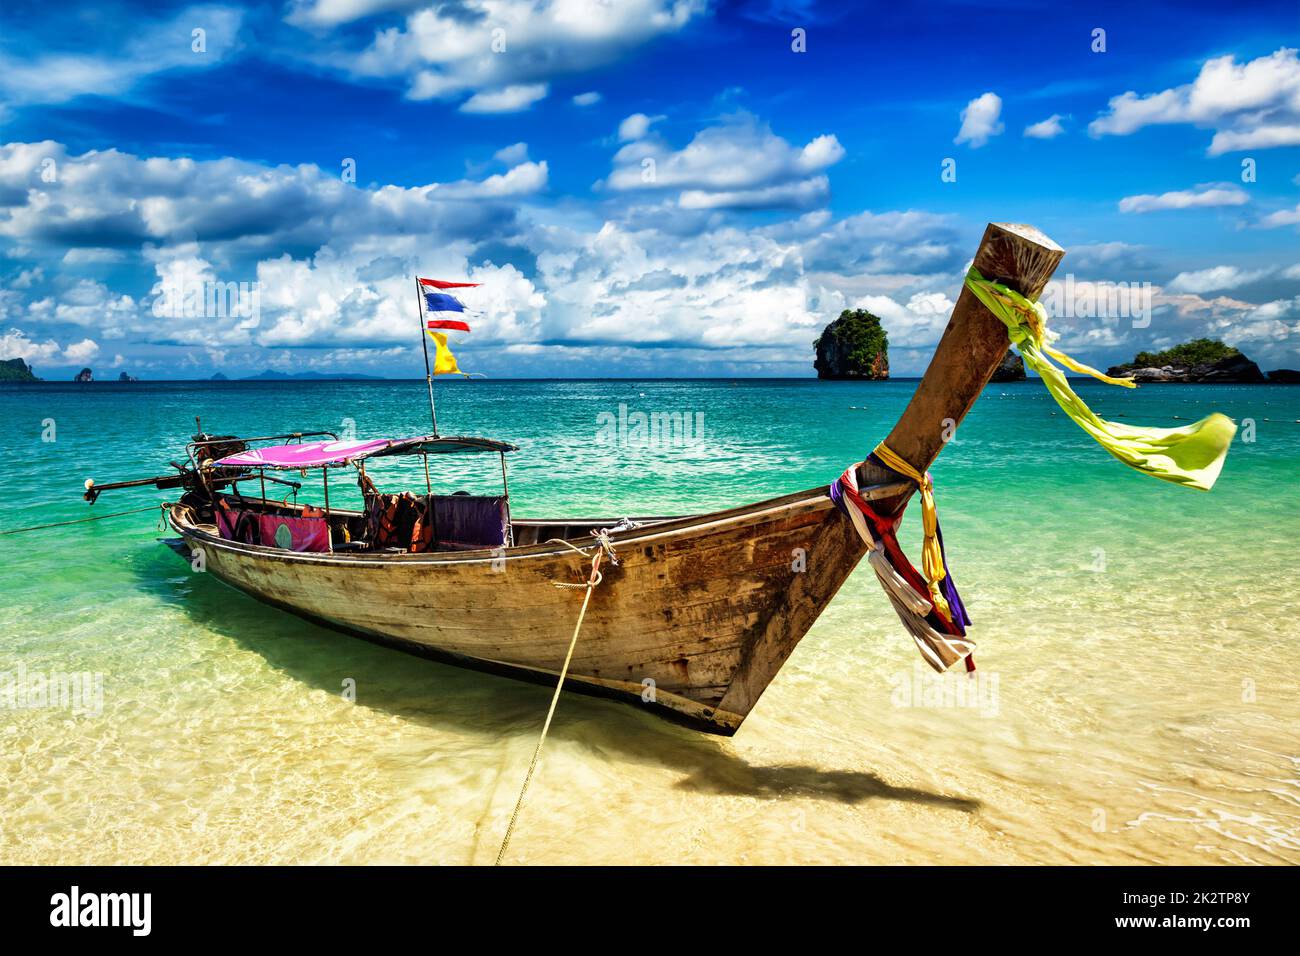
694,620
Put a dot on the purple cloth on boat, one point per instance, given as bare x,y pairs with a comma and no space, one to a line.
837,496
949,587
470,521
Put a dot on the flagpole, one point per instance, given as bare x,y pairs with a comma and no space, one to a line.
424,341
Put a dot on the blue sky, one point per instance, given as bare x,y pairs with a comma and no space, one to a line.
644,187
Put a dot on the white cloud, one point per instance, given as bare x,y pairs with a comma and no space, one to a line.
510,99
86,256
1254,105
740,163
1108,257
522,180
800,194
88,303
636,126
745,292
79,352
1046,129
1261,137
112,200
230,221
355,297
28,278
1283,217
16,344
1217,277
878,244
1203,196
712,290
485,47
1269,333
151,47
329,13
587,99
980,120
512,155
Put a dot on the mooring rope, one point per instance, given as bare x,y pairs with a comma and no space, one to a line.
60,524
605,547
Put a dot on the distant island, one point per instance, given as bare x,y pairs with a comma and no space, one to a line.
854,346
1012,368
1200,361
16,370
270,375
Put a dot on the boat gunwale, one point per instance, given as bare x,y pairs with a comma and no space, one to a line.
813,499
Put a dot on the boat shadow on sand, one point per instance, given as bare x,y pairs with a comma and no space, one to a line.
492,708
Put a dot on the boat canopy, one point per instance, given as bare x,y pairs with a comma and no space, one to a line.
318,454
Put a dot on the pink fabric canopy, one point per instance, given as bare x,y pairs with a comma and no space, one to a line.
310,454
314,454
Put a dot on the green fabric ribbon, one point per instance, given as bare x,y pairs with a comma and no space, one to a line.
1192,455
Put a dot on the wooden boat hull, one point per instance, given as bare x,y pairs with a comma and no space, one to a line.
692,624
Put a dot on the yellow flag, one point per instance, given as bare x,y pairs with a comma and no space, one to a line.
444,363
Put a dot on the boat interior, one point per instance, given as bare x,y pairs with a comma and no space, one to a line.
390,524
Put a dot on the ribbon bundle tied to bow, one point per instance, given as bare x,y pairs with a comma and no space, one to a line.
932,612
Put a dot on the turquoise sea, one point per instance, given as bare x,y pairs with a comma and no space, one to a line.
1136,701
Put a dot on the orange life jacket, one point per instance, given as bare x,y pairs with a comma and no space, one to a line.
422,530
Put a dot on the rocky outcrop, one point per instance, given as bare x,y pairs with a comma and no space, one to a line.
1284,376
854,346
85,375
16,370
1235,369
1012,368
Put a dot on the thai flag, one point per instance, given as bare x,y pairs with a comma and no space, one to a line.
439,284
442,302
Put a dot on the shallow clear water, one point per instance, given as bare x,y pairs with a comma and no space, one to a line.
1137,698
